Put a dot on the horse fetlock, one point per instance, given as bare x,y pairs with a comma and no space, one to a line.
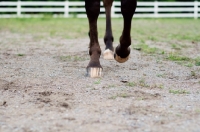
121,54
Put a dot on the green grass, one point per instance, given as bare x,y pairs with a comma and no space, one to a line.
145,48
176,46
193,73
160,86
174,57
186,61
197,111
189,64
131,84
72,58
197,61
179,91
122,95
143,83
178,115
20,54
97,81
142,29
160,75
111,86
47,26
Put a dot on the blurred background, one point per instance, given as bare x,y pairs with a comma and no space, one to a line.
75,8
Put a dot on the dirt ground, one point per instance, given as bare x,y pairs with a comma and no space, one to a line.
43,88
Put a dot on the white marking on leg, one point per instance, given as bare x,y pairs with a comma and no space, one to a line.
108,55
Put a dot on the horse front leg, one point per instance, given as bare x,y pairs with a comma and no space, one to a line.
122,51
94,68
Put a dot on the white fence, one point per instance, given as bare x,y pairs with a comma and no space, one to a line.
76,9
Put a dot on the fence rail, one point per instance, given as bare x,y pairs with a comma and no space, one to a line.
76,9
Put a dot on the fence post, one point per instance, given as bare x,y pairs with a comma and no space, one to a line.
113,10
66,13
19,8
195,9
155,9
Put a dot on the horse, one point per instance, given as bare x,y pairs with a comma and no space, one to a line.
122,51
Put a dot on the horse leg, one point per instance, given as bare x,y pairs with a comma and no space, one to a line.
94,68
122,51
108,38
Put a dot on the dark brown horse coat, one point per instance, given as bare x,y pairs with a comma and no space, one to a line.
122,51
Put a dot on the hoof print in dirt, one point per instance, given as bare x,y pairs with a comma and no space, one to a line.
5,85
45,93
4,103
141,95
44,100
65,105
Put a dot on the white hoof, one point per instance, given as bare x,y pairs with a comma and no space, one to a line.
94,72
121,60
108,55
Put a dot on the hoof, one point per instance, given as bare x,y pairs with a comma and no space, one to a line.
119,59
94,72
108,55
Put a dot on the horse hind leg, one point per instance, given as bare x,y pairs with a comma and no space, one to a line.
122,51
108,38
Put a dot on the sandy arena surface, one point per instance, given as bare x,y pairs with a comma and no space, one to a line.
43,88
